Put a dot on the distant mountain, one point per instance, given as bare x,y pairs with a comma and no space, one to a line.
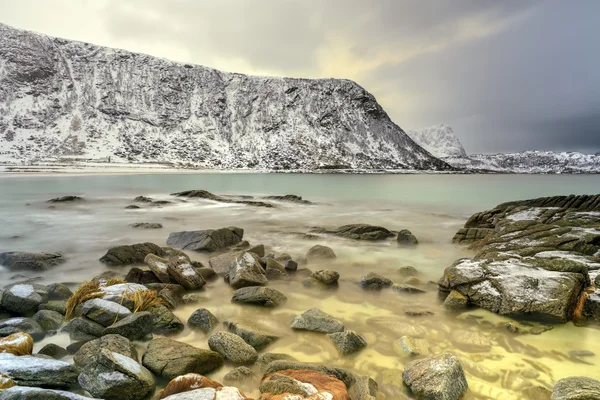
60,98
439,140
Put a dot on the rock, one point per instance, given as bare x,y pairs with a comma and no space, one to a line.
408,271
207,240
74,347
259,250
404,288
396,326
581,353
240,376
260,296
303,384
130,254
208,274
406,238
158,265
32,393
34,371
146,225
374,281
252,333
193,298
365,388
27,325
326,276
54,351
221,263
23,261
317,321
202,320
576,388
245,271
203,194
512,327
348,342
164,321
169,358
439,377
362,232
320,253
274,274
65,199
116,376
470,341
103,311
60,306
48,320
184,274
410,346
279,366
456,301
232,348
58,291
24,298
291,266
18,344
134,327
132,207
140,276
143,199
88,353
83,329
265,359
172,298
188,383
292,198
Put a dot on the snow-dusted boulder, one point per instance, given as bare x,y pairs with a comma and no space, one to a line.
34,371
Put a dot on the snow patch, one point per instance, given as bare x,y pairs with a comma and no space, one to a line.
22,291
127,363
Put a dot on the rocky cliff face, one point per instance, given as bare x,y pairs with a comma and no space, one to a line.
60,98
439,140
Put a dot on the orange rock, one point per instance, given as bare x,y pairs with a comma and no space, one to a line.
19,344
322,382
187,382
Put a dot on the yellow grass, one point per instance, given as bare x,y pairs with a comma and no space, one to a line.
19,344
145,299
87,291
114,281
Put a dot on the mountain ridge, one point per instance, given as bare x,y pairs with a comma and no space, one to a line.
439,140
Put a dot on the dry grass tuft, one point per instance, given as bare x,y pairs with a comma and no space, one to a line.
113,281
87,291
19,344
5,382
145,299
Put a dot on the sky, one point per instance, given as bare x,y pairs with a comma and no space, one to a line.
508,75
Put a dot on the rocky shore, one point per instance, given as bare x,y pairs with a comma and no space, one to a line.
535,260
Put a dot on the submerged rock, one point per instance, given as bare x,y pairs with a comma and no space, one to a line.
240,376
130,254
317,321
374,281
252,333
261,296
576,388
406,238
207,240
438,377
362,232
320,253
34,371
202,320
470,341
203,194
33,393
20,261
65,199
456,301
232,347
146,225
348,342
54,351
245,271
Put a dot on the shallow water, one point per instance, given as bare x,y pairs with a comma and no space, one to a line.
433,207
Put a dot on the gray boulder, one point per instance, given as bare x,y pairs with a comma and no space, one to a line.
261,296
317,321
202,320
265,359
169,358
159,266
88,353
164,322
130,254
439,377
406,288
31,393
182,272
365,388
221,263
362,232
232,348
60,306
252,333
327,277
115,376
22,261
103,311
134,327
35,371
576,388
146,225
245,271
406,238
240,376
66,199
24,298
206,240
83,329
410,346
348,342
374,281
58,291
48,320
456,301
320,253
27,325
54,351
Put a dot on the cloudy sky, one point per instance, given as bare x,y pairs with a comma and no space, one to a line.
506,75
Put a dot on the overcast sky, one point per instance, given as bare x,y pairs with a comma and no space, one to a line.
506,75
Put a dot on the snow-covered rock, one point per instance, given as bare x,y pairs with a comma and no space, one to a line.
66,99
33,371
439,140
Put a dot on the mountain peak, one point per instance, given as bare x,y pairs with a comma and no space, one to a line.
439,140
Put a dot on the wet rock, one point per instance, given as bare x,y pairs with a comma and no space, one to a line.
291,198
245,271
374,281
265,359
31,393
208,274
365,388
253,334
164,322
18,344
404,288
396,326
320,253
27,325
143,199
317,321
65,199
232,348
169,358
259,250
348,342
479,371
54,351
132,207
202,320
343,375
581,353
103,311
221,263
512,327
240,376
456,301
274,274
203,194
146,225
48,320
34,371
24,298
158,266
291,266
410,346
271,263
115,376
470,341
83,329
188,383
88,353
130,254
327,277
134,327
438,377
406,238
408,271
60,306
184,274
206,240
261,296
362,232
58,291
576,388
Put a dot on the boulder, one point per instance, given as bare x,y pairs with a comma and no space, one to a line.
54,351
32,393
320,253
58,291
88,353
365,388
405,288
60,306
245,271
103,311
317,321
158,265
206,240
374,281
184,274
261,296
232,348
437,377
407,271
291,266
146,225
202,320
406,238
348,342
65,199
265,359
169,358
456,301
24,298
240,376
34,371
138,275
49,320
410,346
203,194
188,383
323,278
115,376
164,322
362,232
259,250
23,261
576,388
18,344
252,333
83,329
130,254
27,325
134,327
221,263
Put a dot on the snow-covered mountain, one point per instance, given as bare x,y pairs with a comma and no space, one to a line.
439,140
60,98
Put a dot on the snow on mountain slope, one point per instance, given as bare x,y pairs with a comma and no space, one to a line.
530,162
60,98
439,140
